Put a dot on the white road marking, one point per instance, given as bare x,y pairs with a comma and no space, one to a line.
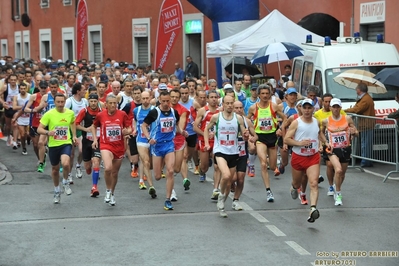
297,248
275,230
259,217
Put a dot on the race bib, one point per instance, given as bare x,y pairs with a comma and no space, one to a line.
226,139
113,133
241,148
265,124
311,149
61,132
167,124
339,139
89,136
212,129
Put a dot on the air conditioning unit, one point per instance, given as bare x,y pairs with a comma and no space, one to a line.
44,3
67,2
349,39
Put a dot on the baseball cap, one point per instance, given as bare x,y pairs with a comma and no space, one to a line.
335,101
43,84
162,86
130,67
273,82
307,101
291,90
104,78
93,96
299,103
254,86
227,86
2,62
108,65
116,64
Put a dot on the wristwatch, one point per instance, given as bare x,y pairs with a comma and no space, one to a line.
148,139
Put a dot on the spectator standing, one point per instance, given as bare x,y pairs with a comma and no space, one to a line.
179,73
192,70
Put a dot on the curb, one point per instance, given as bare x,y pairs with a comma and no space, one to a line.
5,175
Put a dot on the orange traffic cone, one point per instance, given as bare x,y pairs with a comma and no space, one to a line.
1,133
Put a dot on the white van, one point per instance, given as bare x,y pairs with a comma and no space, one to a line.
322,62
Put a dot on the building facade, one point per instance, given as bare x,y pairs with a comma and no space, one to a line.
126,30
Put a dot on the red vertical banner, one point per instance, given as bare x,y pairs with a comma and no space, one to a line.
81,27
170,23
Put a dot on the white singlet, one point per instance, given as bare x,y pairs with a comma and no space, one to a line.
307,131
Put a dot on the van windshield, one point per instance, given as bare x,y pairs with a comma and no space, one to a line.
349,95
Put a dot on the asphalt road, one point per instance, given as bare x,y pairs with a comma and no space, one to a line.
138,231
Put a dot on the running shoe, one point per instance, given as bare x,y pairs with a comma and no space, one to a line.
152,192
61,169
79,173
67,188
144,177
57,197
236,206
134,173
94,192
251,170
314,215
40,168
14,145
186,184
269,196
112,201
70,179
196,171
162,174
215,194
173,197
281,168
330,191
9,141
107,197
321,179
303,199
202,178
276,172
24,152
294,192
142,186
190,165
88,171
221,200
168,205
223,213
338,200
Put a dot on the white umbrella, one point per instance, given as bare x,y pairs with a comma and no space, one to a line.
351,78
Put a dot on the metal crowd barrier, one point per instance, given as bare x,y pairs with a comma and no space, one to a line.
377,141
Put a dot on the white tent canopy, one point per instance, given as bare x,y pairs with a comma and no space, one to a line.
275,27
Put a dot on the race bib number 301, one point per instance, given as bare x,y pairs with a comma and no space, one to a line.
61,132
113,133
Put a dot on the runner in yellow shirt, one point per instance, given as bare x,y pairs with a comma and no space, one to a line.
59,124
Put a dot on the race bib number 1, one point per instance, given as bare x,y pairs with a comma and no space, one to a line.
113,133
61,132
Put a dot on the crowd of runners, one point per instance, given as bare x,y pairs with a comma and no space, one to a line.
165,126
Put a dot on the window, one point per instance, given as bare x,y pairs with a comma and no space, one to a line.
296,77
16,10
26,6
68,40
44,3
18,44
95,43
4,47
306,77
318,80
26,46
45,42
67,2
141,41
